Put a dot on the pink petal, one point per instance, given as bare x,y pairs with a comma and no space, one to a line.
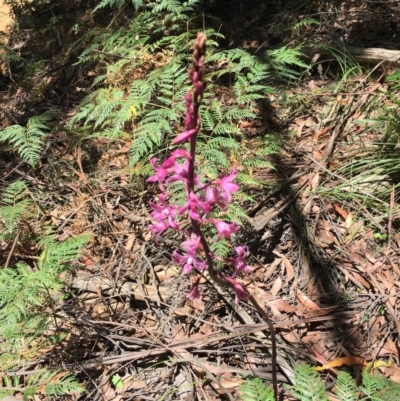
176,154
224,229
185,135
240,291
194,292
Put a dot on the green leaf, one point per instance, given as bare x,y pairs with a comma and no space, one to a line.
117,382
255,390
346,387
308,385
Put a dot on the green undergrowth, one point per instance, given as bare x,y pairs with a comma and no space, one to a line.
365,166
30,290
27,141
137,63
139,68
310,387
363,170
139,71
139,95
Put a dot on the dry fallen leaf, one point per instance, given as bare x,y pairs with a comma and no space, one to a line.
346,360
286,265
130,242
178,332
136,384
197,304
340,211
393,373
319,312
125,148
389,348
291,336
306,301
315,181
107,391
277,286
229,384
281,305
184,311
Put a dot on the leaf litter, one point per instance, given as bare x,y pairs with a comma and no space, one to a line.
332,293
319,265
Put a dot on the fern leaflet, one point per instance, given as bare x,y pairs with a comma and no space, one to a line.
255,390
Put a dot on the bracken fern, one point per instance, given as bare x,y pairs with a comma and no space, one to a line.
255,390
25,292
309,387
346,387
51,384
117,4
28,141
146,107
13,205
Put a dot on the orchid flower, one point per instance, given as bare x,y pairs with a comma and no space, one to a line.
201,199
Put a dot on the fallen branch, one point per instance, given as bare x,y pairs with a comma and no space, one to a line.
88,282
369,55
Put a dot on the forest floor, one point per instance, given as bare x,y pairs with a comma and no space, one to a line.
324,239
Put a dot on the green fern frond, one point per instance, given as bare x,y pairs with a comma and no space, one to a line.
285,61
237,58
147,135
62,386
49,382
220,248
255,390
118,4
226,129
247,179
308,385
24,291
20,298
237,113
346,387
56,255
255,162
236,213
176,194
305,22
207,118
243,197
389,390
370,387
27,141
14,193
221,142
215,156
250,97
168,5
14,205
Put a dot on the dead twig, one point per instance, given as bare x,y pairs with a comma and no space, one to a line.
12,249
261,220
153,274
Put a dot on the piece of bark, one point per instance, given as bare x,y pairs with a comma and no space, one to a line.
375,55
370,55
88,282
